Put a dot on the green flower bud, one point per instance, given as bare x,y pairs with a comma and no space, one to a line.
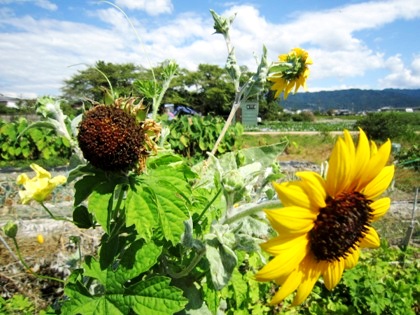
233,181
10,229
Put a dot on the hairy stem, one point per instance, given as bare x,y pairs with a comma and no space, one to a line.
251,209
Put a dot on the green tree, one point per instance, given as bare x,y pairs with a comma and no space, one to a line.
91,82
207,90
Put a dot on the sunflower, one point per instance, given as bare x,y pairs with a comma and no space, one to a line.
110,138
292,77
325,221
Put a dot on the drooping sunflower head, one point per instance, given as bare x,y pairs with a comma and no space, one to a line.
325,221
112,139
291,71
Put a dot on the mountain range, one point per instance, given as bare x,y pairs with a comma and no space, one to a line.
355,100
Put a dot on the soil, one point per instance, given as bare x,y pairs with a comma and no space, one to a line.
58,254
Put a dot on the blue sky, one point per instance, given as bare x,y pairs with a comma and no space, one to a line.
354,44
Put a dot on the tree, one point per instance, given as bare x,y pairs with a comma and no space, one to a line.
207,90
91,82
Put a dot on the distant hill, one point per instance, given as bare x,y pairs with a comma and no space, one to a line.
355,100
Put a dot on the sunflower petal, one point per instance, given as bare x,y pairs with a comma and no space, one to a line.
315,188
333,274
362,156
291,220
352,259
289,285
377,162
371,239
292,194
311,272
281,265
380,183
339,169
282,243
380,207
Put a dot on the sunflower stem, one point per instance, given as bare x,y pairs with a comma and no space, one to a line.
190,267
252,209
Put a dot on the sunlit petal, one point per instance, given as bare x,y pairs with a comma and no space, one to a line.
289,285
351,260
380,207
333,274
339,169
361,158
315,187
291,219
380,183
376,163
371,239
281,265
292,194
311,272
278,245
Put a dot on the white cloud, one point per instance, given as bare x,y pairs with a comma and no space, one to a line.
45,4
402,76
39,58
153,8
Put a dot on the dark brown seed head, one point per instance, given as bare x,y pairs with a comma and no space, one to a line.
340,226
110,138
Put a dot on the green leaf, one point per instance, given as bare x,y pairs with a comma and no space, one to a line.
164,160
108,250
82,302
221,257
240,287
100,203
141,211
82,218
184,140
152,296
139,257
155,296
159,201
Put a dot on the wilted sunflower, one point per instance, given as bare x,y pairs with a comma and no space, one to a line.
325,222
295,77
110,138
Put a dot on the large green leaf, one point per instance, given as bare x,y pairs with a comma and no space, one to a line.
152,296
155,296
139,257
159,202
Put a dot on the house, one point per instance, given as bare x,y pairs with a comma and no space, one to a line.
7,101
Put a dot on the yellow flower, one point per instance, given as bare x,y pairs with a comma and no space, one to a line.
295,77
325,222
39,187
40,239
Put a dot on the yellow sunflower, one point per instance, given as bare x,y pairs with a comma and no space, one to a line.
325,221
294,77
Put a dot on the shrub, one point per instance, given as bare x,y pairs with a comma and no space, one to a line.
393,125
193,137
32,144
